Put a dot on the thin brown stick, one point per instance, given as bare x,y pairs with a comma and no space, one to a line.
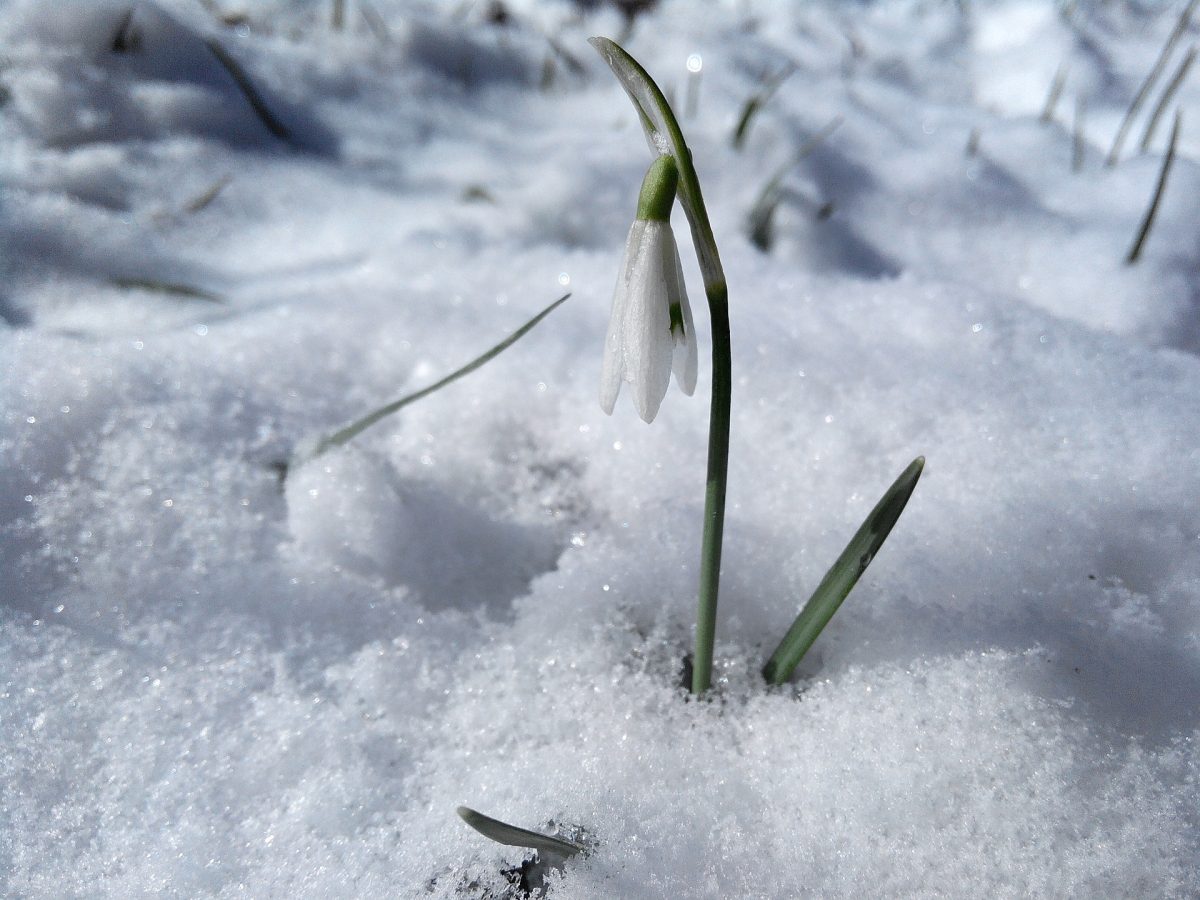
1167,94
1056,89
249,91
1144,91
973,139
374,21
167,288
1135,251
126,39
756,103
201,201
1078,143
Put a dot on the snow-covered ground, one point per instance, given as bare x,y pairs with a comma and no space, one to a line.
218,682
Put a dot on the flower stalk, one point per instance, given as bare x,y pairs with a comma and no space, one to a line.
714,490
665,138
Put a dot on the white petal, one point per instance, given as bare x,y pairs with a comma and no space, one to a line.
639,347
683,356
612,371
647,321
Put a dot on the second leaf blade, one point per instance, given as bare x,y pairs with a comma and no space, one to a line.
842,576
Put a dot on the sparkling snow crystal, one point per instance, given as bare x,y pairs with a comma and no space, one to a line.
225,677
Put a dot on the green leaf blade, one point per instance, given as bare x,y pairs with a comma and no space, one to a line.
512,836
755,102
166,288
842,576
356,428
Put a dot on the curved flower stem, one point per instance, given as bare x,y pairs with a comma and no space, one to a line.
666,138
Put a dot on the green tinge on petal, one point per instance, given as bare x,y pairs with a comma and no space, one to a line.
677,327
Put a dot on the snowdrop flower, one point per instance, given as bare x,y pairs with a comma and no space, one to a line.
650,332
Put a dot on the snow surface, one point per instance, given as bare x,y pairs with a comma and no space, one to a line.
215,685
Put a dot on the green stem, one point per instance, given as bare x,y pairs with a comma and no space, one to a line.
665,137
714,491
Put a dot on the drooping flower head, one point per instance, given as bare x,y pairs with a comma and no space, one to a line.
650,331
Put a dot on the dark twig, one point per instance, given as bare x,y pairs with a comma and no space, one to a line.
569,59
126,39
170,288
557,52
1135,251
756,102
208,196
375,22
973,139
1056,89
1078,142
249,91
1167,94
1144,91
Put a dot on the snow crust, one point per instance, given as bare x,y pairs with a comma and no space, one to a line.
217,682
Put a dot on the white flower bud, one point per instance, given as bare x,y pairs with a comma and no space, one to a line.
650,332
